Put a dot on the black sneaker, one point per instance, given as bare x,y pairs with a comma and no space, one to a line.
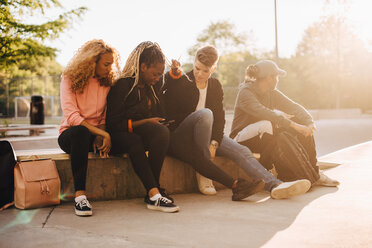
162,204
165,194
244,189
83,208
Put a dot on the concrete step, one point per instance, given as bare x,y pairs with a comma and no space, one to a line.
114,178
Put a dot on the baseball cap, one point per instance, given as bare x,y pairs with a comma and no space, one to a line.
269,68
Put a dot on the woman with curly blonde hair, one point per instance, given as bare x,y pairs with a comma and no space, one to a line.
85,84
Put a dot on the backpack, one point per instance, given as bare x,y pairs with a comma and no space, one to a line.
7,163
290,158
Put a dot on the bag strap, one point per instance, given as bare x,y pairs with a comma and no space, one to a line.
7,205
33,158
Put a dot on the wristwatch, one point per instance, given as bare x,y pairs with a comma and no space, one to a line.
214,143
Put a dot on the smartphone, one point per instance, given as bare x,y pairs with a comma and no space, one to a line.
167,122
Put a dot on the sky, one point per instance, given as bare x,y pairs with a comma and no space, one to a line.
176,24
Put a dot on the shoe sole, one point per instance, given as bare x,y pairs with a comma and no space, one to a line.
204,192
326,184
163,209
299,188
259,187
83,213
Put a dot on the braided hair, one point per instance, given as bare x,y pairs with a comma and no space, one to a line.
146,52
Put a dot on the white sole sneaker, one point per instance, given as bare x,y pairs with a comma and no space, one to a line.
326,181
164,209
290,189
208,191
83,213
205,185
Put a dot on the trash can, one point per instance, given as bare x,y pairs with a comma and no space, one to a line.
37,110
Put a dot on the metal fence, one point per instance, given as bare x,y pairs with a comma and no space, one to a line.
15,95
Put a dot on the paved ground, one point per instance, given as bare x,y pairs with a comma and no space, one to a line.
324,217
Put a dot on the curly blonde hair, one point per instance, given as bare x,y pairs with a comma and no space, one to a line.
83,65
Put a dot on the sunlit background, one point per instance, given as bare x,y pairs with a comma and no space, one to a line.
325,45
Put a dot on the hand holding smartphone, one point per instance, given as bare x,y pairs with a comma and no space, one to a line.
167,122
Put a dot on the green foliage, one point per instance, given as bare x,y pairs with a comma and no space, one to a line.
231,67
330,68
5,124
27,66
222,35
20,41
234,56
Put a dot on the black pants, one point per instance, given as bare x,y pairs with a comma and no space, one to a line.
260,145
150,137
77,141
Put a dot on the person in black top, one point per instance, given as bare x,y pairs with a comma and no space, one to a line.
134,123
195,101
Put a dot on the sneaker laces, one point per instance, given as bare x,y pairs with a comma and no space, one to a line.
162,199
84,203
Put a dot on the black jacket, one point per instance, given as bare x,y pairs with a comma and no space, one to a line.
139,104
181,97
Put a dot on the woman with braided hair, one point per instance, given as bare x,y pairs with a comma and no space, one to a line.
85,84
134,122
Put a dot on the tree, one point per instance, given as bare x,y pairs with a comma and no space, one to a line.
223,36
234,56
20,41
330,67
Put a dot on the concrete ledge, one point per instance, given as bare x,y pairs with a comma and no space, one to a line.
350,154
335,113
114,178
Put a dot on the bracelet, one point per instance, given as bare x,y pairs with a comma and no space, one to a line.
174,76
130,127
214,143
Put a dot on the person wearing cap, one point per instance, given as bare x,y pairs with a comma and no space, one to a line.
195,101
260,106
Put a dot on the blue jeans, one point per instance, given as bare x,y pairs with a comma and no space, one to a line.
244,158
239,154
190,141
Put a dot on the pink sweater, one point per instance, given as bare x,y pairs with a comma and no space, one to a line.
89,106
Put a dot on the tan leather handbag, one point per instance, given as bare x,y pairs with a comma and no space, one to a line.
36,184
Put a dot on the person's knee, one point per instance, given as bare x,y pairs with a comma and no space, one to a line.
206,116
265,127
161,134
80,133
131,140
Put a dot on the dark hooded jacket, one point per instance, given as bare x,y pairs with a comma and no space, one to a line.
181,97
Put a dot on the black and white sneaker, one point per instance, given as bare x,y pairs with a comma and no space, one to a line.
164,193
83,207
162,204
